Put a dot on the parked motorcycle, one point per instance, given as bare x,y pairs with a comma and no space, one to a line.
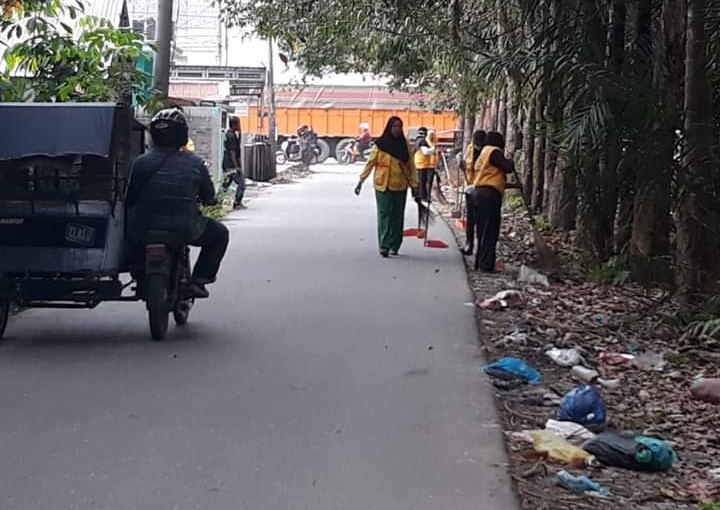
305,147
347,152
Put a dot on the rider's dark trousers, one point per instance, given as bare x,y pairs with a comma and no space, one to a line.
213,242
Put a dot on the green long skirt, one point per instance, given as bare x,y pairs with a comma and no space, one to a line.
391,218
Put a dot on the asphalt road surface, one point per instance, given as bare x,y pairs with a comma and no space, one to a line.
318,376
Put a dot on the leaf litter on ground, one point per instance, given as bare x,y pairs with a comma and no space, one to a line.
651,398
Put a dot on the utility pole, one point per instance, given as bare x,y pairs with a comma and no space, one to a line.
163,40
272,134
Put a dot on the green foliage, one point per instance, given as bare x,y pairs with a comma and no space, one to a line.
543,223
217,212
613,272
705,323
45,60
513,203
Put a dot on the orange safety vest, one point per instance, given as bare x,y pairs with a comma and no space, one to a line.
486,174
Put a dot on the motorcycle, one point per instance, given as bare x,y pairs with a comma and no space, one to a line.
348,153
305,147
165,282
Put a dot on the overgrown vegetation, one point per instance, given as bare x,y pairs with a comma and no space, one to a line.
47,59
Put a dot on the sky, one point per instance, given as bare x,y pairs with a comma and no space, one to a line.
243,51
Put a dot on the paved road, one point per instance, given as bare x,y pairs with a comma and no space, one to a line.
306,382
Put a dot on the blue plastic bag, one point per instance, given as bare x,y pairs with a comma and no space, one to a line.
581,484
513,368
583,405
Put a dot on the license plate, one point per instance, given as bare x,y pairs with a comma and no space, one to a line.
80,234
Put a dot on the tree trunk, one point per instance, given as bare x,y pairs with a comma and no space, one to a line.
651,220
502,116
513,126
493,121
539,154
563,197
529,149
468,126
480,116
697,222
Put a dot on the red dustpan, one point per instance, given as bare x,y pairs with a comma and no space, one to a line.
415,232
431,243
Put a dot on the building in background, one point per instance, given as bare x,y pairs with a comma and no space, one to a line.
199,34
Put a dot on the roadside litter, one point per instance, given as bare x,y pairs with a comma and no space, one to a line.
533,277
501,300
707,390
513,368
637,453
614,358
584,406
559,450
585,374
565,357
581,484
650,361
573,432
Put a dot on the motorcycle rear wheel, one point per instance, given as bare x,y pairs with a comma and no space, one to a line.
158,313
4,316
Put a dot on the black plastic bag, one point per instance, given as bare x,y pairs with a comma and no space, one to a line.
612,449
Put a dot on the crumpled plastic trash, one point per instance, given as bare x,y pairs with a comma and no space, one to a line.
616,358
533,277
501,300
650,361
513,368
707,390
565,357
559,449
583,405
637,453
581,484
573,432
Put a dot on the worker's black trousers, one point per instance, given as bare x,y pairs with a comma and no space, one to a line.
470,221
487,210
425,182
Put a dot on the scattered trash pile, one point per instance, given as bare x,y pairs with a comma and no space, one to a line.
599,410
603,405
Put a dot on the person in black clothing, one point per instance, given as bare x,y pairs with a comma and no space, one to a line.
165,186
468,166
491,169
232,166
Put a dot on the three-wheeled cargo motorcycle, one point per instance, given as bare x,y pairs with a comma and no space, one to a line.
64,172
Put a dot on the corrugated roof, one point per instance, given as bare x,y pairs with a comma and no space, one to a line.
345,97
195,90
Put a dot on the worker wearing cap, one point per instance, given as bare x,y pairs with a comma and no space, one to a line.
425,162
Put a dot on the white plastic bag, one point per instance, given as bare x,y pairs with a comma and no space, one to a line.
565,357
531,276
573,432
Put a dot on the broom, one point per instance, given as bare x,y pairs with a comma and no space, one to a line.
423,212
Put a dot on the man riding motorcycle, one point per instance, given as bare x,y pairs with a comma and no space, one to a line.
362,142
165,186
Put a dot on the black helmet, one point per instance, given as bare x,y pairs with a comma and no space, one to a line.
169,128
